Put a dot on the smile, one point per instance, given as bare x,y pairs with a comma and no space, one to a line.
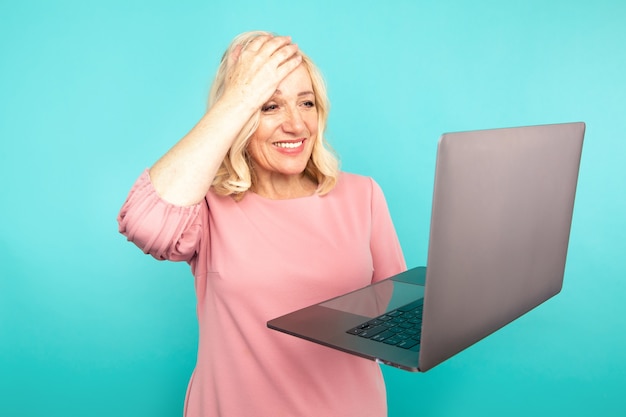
289,145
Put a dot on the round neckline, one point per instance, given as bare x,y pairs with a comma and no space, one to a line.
260,197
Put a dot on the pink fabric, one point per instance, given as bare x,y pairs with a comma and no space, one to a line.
255,260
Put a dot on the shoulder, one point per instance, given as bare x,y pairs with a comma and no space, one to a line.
349,182
356,188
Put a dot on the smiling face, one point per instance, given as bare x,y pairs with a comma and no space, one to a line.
282,144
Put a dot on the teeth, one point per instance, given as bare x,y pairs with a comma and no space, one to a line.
290,145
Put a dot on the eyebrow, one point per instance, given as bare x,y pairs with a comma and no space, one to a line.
302,93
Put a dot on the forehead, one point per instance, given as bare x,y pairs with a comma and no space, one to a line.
298,82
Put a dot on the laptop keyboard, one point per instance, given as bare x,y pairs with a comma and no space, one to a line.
400,327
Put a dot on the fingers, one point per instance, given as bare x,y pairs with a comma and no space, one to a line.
256,43
289,58
267,43
283,54
275,53
278,47
274,50
234,55
255,69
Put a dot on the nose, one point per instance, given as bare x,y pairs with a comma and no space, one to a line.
293,123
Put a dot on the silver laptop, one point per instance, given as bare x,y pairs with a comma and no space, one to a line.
500,225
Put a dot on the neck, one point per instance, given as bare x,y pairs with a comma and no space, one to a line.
284,188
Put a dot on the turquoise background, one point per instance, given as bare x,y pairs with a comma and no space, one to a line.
93,92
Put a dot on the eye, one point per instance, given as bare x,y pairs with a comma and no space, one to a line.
309,103
269,107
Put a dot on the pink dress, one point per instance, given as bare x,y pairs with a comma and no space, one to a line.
255,260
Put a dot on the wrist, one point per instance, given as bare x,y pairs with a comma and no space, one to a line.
240,101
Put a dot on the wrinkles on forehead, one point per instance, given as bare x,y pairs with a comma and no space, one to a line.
300,94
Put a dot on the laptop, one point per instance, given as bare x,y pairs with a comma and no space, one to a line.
500,224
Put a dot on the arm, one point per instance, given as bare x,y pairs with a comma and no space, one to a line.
387,253
185,173
157,227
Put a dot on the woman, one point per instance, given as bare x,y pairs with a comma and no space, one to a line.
254,201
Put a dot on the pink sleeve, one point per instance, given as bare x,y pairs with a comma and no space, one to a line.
387,253
158,228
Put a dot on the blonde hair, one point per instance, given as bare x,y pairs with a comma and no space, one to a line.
235,175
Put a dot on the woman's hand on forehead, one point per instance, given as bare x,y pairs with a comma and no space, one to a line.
256,69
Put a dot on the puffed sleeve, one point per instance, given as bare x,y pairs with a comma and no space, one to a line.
158,228
387,255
